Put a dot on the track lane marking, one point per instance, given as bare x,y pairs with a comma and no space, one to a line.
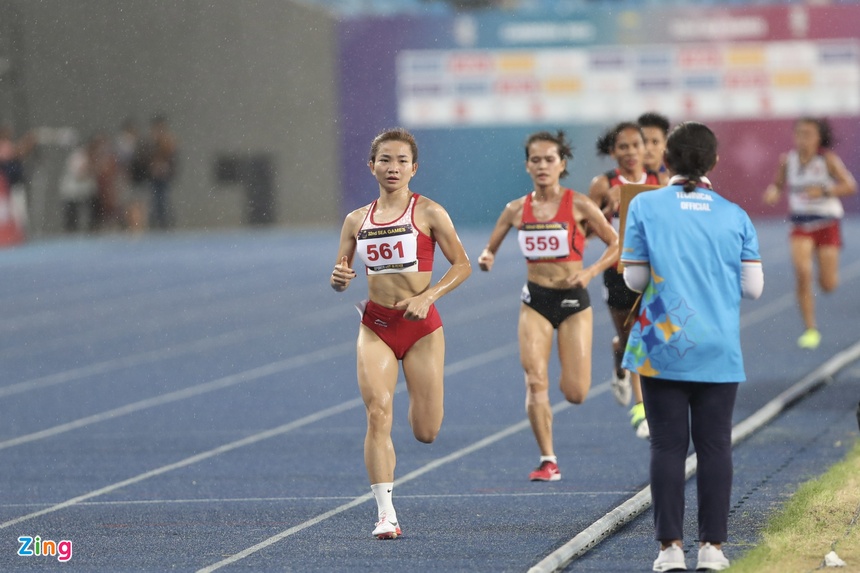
205,387
186,393
460,366
428,467
331,498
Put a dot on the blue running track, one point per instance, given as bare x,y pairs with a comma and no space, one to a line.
188,403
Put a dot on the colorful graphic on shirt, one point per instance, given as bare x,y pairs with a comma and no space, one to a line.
664,331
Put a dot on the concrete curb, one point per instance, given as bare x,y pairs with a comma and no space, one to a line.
591,536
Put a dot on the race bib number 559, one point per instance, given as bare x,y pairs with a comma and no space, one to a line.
544,240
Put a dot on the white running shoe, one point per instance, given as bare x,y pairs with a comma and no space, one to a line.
671,559
621,387
643,431
711,559
386,529
639,421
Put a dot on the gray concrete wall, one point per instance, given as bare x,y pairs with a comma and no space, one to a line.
238,76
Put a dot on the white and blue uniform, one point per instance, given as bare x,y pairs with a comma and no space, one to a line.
807,213
694,243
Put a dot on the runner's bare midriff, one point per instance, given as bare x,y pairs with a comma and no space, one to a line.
389,289
552,275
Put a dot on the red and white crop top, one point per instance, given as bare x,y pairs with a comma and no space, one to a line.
553,241
615,177
398,246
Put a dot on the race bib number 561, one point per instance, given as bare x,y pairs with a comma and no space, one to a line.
388,249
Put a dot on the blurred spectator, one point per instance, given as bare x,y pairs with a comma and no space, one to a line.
78,189
133,177
105,168
162,169
12,155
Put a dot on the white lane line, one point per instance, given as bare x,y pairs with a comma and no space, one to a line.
148,323
630,509
232,380
126,361
231,302
435,464
775,307
190,392
141,301
125,272
320,498
787,300
471,362
315,417
318,317
199,345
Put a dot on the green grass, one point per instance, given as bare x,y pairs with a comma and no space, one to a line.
822,516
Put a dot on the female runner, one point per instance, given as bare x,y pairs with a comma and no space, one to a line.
395,236
655,130
550,222
626,144
816,178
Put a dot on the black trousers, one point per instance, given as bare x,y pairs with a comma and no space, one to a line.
675,412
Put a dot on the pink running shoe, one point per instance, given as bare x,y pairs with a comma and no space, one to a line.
548,471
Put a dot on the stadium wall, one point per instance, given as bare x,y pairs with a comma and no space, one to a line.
255,77
472,87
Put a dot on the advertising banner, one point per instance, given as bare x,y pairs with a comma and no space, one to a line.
472,87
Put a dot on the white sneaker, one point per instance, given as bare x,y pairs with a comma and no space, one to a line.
621,387
671,559
711,559
642,430
386,529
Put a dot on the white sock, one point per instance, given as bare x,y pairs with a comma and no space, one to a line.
382,493
553,459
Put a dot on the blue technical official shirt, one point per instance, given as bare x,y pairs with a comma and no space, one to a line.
688,327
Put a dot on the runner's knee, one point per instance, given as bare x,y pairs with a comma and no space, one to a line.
425,422
803,273
828,283
425,435
536,396
379,418
804,282
573,392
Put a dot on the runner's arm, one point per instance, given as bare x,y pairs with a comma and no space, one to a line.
598,191
594,218
503,225
343,272
774,189
845,184
442,229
